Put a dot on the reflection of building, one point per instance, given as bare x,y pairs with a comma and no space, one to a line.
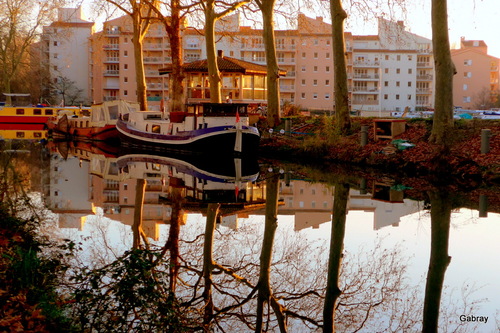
312,204
67,193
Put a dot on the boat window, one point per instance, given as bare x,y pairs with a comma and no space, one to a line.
155,129
113,112
37,112
19,134
49,112
19,111
37,135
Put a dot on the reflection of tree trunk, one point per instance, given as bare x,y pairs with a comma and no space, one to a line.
341,195
208,263
264,286
137,231
440,230
173,236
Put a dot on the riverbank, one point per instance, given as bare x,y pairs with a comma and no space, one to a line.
313,139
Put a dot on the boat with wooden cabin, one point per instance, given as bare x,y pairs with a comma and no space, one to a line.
100,125
203,128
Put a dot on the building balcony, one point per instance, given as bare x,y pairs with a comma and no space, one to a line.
110,98
365,90
291,74
375,64
365,102
111,47
424,91
156,86
287,88
111,72
112,59
111,87
364,77
155,47
153,60
426,77
424,64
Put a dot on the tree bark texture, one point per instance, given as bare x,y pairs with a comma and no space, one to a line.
341,92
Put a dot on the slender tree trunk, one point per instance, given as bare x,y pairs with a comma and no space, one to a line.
173,237
333,292
213,68
439,260
139,64
341,92
272,80
176,87
442,123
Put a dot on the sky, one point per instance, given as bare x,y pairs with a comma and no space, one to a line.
472,19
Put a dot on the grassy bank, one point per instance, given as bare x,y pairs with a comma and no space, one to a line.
313,139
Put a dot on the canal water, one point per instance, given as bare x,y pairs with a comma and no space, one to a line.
243,243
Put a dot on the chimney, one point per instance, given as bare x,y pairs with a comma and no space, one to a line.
220,53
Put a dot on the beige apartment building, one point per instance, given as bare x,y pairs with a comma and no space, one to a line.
387,72
477,75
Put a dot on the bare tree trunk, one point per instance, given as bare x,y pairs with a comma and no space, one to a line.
208,263
139,63
173,236
333,292
272,80
341,92
442,123
439,260
176,87
213,68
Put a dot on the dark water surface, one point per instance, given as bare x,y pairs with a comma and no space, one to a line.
249,244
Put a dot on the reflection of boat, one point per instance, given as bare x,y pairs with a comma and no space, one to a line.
99,126
208,127
22,131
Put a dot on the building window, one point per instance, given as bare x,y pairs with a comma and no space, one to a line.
125,40
315,55
125,53
56,43
398,57
303,82
468,62
409,97
315,68
327,69
467,74
466,99
56,193
125,66
397,83
315,82
56,55
397,97
55,68
125,93
327,42
315,96
303,95
386,83
303,68
316,42
409,83
465,87
327,55
410,58
386,57
386,70
125,79
398,70
125,187
386,96
327,96
327,82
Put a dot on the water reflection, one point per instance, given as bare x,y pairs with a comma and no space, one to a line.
237,246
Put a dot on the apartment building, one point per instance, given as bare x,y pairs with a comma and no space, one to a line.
477,75
391,71
64,53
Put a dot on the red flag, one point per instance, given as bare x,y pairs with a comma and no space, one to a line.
237,117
